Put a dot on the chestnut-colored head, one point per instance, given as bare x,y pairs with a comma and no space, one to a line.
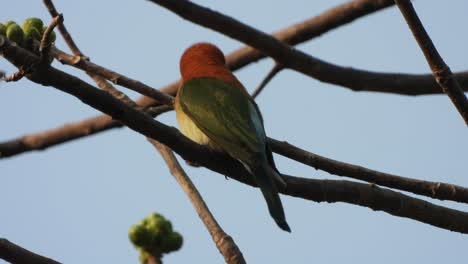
205,60
200,54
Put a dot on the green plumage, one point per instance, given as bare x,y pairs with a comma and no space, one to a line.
230,118
225,115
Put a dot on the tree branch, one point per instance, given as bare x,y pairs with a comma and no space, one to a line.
15,254
357,80
116,78
225,244
441,71
313,27
378,199
437,190
361,194
271,74
63,30
46,44
101,82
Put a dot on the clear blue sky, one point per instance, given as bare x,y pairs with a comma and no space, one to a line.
76,202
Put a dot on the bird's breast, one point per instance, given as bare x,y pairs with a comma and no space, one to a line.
190,130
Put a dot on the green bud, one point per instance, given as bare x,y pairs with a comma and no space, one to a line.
15,33
32,33
153,237
9,22
172,243
2,30
33,22
52,35
157,225
140,236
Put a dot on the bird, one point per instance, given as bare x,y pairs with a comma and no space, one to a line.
215,110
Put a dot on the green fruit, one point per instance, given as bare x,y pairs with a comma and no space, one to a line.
32,33
53,37
157,225
172,243
15,33
2,30
139,236
9,22
33,22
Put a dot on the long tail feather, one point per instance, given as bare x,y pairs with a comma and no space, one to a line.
266,178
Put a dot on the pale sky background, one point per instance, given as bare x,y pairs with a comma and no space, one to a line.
76,202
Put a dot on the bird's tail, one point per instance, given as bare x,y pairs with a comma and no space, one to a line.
266,177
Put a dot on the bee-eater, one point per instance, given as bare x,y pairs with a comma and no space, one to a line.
214,109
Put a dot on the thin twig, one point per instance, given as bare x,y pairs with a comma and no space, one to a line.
45,45
361,194
276,68
63,30
101,82
114,77
441,71
15,254
225,244
157,110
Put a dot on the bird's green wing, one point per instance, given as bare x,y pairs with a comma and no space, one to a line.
227,115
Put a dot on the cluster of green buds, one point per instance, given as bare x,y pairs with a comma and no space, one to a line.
29,35
153,237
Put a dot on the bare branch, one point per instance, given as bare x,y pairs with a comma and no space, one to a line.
63,30
357,80
114,77
437,190
313,27
46,44
441,71
389,201
15,254
225,244
101,82
276,68
157,110
378,199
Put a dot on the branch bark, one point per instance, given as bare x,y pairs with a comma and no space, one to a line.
15,254
224,242
361,194
354,79
437,190
441,71
271,74
114,77
101,82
